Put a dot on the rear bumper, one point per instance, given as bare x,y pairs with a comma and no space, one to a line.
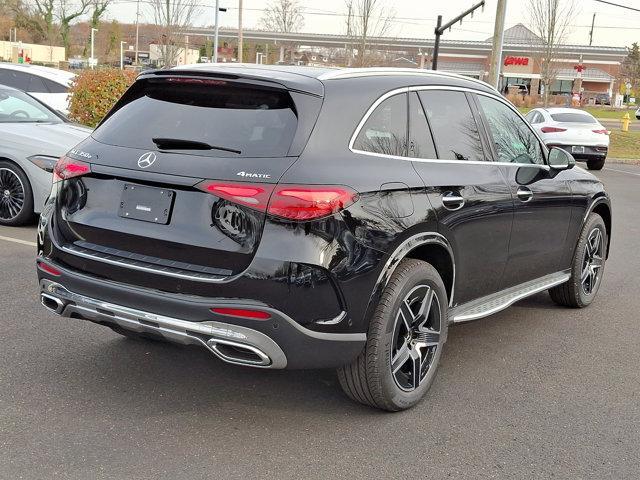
591,152
279,342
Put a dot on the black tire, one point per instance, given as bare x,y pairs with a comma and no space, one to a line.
369,378
575,292
595,164
16,196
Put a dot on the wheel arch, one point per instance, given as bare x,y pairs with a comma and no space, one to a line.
602,207
429,247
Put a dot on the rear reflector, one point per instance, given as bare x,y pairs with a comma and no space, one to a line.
603,132
244,313
553,129
309,202
45,267
67,168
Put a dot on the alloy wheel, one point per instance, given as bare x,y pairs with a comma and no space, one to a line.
416,337
592,262
12,194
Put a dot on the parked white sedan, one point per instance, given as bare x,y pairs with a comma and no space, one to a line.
49,85
573,130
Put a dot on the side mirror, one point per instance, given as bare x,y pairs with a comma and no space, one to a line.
560,159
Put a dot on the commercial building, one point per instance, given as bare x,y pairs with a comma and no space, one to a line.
599,66
30,53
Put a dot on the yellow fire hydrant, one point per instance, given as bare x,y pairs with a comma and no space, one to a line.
626,120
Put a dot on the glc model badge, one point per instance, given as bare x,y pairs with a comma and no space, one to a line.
146,159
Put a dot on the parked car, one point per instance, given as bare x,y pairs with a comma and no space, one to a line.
333,218
49,85
638,114
573,130
603,99
32,139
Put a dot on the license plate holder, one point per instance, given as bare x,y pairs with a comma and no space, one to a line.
577,149
148,204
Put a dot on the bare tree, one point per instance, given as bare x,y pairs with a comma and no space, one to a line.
283,16
37,18
68,13
366,19
172,18
550,20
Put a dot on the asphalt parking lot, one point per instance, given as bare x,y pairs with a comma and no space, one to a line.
536,391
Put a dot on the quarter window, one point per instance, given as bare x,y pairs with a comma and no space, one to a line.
454,129
513,139
385,131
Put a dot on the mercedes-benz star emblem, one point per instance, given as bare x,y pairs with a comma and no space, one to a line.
146,159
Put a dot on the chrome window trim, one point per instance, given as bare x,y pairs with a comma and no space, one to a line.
402,90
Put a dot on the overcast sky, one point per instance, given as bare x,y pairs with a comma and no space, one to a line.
416,18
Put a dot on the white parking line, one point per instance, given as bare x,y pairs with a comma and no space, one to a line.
17,240
622,171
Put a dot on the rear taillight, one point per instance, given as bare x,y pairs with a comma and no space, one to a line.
67,168
309,202
255,196
601,131
294,202
552,129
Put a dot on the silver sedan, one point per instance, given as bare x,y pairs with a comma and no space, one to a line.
32,138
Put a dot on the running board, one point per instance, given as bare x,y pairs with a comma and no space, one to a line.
485,306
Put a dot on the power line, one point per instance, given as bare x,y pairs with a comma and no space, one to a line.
618,5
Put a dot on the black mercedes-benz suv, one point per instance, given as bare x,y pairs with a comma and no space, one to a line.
307,218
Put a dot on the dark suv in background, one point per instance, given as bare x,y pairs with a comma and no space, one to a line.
310,218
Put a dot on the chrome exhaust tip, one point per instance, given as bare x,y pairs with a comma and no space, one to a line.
51,303
238,353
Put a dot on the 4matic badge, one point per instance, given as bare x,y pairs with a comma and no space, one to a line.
253,175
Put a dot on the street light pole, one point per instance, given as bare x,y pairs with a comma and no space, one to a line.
137,29
215,35
122,44
93,31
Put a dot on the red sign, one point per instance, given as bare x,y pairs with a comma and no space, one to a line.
579,68
523,61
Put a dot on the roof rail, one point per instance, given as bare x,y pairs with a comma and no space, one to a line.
375,71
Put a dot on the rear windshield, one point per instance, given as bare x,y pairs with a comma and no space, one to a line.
255,121
573,118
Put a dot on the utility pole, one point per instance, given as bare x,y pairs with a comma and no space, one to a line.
240,57
93,32
122,44
440,29
498,38
593,22
137,29
215,35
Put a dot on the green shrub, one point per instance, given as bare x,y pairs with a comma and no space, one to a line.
94,92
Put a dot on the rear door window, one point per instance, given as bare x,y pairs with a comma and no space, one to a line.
54,87
385,131
253,120
454,128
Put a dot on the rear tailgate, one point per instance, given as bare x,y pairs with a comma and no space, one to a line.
194,203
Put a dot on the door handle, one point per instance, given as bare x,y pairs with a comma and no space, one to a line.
524,194
452,201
